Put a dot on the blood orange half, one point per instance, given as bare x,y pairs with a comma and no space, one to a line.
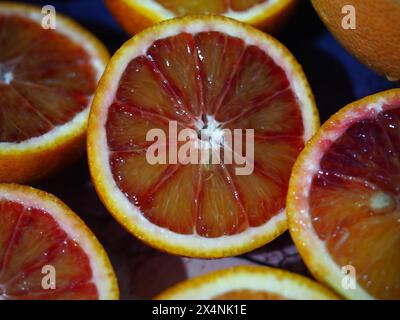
343,201
136,15
206,74
248,283
47,80
47,252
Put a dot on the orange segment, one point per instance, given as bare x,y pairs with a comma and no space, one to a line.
277,116
220,211
47,80
14,127
219,57
39,231
54,105
176,59
274,156
248,283
127,127
143,86
73,271
52,60
8,221
260,196
256,80
144,176
203,208
33,239
38,68
21,40
353,168
173,204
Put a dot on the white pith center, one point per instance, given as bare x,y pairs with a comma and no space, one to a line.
382,201
210,133
6,75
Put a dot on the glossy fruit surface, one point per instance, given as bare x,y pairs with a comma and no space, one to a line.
343,199
47,252
47,80
206,74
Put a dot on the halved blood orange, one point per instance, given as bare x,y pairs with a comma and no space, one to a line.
47,80
208,74
136,15
248,283
40,236
343,200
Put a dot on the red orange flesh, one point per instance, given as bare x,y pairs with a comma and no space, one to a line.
34,238
353,196
51,79
205,81
47,80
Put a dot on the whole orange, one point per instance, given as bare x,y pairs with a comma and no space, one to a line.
376,37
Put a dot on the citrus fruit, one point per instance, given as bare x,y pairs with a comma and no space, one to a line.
248,283
38,235
376,37
208,74
47,81
136,15
343,199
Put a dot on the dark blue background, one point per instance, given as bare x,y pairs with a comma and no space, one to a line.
336,79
